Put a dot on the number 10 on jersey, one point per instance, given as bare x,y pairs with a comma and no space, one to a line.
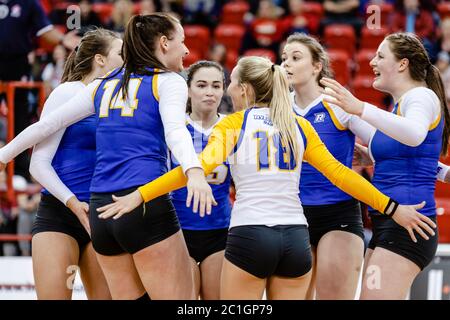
280,158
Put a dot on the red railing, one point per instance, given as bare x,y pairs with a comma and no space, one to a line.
10,89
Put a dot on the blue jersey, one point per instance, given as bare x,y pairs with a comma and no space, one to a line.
219,180
407,174
131,148
315,188
74,161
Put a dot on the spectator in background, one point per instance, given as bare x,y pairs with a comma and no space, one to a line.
54,70
27,205
443,44
88,18
266,30
149,6
218,53
281,8
19,22
121,14
205,12
342,12
296,21
9,212
415,16
443,58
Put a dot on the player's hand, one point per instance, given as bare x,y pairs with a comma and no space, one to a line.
199,191
411,220
336,94
2,166
361,156
121,205
81,210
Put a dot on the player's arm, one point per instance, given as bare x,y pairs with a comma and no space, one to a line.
77,108
41,167
350,182
221,143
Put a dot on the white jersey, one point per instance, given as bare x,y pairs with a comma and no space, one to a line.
266,189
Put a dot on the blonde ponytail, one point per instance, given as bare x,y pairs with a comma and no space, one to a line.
281,112
270,86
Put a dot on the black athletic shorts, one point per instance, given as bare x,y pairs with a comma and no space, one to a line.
146,225
342,216
203,243
389,235
53,216
263,251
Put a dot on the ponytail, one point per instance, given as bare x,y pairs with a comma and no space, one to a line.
281,112
434,82
271,87
69,67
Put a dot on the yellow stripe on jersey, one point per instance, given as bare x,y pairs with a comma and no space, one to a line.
436,122
333,116
223,139
432,126
399,113
96,88
155,85
344,178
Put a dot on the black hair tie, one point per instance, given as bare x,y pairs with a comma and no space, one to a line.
273,67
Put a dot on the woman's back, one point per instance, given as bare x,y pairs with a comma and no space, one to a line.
266,178
130,135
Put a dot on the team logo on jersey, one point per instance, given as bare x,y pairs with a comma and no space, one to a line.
16,11
265,118
319,117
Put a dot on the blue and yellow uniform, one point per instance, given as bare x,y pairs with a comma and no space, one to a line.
315,188
131,150
267,234
326,207
204,235
74,163
407,174
219,181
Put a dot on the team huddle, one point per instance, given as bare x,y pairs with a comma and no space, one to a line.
137,165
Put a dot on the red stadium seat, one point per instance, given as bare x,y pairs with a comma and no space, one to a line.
104,11
191,58
340,36
371,38
362,89
233,12
443,219
232,58
197,38
262,53
229,35
312,9
363,58
340,63
443,9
